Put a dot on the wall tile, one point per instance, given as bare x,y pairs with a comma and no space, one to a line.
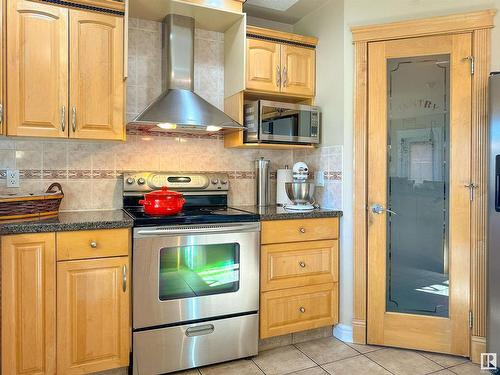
7,159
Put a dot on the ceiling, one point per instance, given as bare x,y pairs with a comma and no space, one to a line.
286,11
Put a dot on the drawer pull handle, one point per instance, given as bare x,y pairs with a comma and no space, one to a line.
302,310
93,244
124,278
302,264
302,230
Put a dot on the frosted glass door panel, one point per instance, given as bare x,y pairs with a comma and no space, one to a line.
418,185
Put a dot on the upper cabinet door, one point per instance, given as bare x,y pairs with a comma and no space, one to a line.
263,65
97,85
298,70
37,69
2,67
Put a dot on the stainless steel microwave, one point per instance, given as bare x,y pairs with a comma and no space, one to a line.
275,122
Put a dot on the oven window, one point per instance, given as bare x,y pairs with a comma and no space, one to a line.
199,270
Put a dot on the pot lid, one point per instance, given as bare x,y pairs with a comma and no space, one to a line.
163,192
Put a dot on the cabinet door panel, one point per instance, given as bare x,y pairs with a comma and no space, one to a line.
37,69
298,66
96,72
29,304
93,315
2,67
263,65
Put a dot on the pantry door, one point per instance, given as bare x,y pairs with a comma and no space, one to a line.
419,172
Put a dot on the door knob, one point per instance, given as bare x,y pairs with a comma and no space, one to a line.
378,209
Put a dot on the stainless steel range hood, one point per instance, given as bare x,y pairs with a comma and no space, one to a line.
178,108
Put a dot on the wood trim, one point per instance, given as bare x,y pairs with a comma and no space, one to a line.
478,346
102,6
360,190
282,36
454,23
481,52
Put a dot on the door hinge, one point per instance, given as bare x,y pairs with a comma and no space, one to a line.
471,60
470,319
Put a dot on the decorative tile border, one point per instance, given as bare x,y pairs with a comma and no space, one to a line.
87,174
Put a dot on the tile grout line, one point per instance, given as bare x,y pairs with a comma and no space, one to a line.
445,367
255,363
378,364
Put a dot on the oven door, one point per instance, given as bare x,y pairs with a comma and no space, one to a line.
188,273
288,122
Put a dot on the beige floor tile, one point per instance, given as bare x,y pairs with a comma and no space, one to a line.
355,365
187,372
468,369
241,367
364,348
310,371
444,359
326,350
443,372
403,362
282,361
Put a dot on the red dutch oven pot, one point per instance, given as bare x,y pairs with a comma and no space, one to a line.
162,202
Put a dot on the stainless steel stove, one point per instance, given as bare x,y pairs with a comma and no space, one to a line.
195,275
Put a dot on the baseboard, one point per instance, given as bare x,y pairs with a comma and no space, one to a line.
359,331
477,346
343,332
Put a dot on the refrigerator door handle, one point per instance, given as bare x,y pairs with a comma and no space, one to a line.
497,183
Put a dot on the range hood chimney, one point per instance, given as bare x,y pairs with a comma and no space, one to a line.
178,108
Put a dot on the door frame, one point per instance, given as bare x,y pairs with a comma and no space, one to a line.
479,24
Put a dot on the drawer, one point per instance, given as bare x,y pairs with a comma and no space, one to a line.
280,231
298,309
92,244
298,264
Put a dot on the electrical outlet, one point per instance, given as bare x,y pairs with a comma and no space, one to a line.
12,177
319,178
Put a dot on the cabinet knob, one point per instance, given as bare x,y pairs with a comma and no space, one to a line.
93,244
302,230
302,264
302,309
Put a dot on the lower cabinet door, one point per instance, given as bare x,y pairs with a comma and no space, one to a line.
28,304
298,309
92,315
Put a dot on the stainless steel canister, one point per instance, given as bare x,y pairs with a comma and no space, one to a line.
262,182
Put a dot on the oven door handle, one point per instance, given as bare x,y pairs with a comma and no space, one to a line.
205,329
177,230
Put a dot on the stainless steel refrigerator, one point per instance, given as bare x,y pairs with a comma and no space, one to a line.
493,323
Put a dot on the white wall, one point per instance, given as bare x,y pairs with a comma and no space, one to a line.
335,79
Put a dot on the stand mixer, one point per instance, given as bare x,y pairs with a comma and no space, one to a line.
301,190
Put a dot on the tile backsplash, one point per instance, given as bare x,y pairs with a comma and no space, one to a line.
90,172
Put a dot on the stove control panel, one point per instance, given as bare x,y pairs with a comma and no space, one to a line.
149,181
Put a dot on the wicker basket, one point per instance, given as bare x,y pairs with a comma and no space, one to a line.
32,206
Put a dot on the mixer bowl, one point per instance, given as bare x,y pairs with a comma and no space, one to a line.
300,192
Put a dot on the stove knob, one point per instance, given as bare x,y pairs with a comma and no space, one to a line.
141,181
223,182
130,180
215,181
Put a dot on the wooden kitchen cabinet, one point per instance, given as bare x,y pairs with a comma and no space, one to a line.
263,66
64,72
298,66
280,63
298,275
37,69
92,315
28,304
96,76
2,66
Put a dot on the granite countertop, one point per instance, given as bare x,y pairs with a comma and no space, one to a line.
279,213
68,221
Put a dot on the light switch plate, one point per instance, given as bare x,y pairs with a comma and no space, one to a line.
12,178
